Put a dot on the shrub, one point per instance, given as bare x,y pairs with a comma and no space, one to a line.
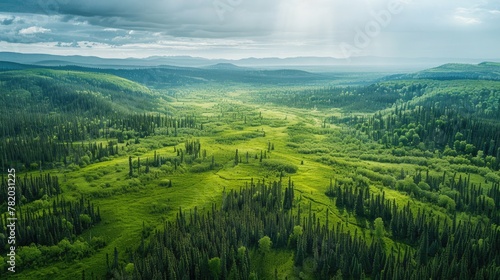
446,202
265,244
492,177
30,254
97,242
279,165
198,168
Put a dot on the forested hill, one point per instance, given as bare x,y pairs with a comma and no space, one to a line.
181,76
45,112
473,89
166,76
456,71
83,93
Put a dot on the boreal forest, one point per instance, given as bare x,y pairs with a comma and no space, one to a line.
226,172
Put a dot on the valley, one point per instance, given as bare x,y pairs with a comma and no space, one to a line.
183,173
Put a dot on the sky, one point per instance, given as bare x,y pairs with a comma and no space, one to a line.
234,29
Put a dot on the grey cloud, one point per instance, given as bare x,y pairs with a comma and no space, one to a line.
190,18
310,27
68,45
7,21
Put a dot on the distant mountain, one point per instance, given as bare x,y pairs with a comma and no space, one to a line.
311,63
225,66
92,61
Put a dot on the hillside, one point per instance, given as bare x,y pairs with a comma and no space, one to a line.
43,110
72,92
167,76
456,71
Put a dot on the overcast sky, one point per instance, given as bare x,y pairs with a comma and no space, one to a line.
253,28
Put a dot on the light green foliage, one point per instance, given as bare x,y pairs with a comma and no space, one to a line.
79,249
3,263
265,244
242,251
65,245
85,160
129,268
446,202
52,252
378,223
293,239
280,165
493,177
214,265
253,276
488,202
85,218
407,185
31,255
198,168
470,149
424,186
297,231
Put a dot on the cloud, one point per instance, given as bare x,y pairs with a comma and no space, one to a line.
33,30
7,21
467,20
247,27
192,18
477,14
468,16
68,45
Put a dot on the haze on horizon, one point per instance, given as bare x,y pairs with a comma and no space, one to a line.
234,29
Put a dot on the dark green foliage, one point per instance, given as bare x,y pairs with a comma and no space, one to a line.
193,148
279,165
30,188
193,245
130,167
51,230
198,168
23,148
56,221
456,118
365,98
46,113
208,245
330,191
455,71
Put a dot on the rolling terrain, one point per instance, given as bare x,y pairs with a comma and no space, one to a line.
227,172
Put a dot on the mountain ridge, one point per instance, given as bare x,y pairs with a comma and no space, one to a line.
320,63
